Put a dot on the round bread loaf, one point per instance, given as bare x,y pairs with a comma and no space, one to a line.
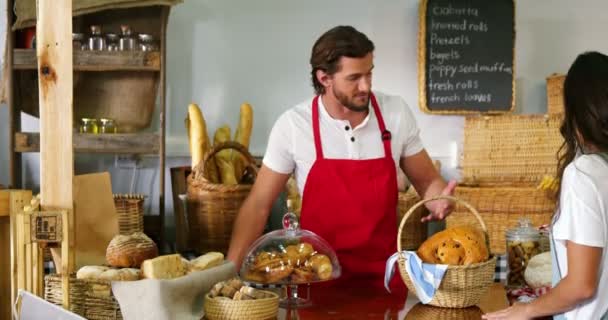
455,246
129,251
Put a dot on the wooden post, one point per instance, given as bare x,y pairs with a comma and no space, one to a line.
55,80
16,200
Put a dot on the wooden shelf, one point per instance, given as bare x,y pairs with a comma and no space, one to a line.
25,59
130,143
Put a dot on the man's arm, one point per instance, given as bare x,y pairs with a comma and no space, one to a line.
252,216
427,181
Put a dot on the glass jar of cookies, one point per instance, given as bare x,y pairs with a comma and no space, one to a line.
523,242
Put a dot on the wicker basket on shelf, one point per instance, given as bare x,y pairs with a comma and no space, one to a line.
130,210
228,309
91,299
414,231
212,207
461,286
555,93
510,149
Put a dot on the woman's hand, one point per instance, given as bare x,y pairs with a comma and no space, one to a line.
518,311
441,208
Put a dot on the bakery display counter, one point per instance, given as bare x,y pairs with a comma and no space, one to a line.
361,301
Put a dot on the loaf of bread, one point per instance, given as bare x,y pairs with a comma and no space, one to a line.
129,251
455,246
164,267
199,141
109,274
242,136
206,261
222,158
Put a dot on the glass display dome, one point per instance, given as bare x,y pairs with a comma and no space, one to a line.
290,257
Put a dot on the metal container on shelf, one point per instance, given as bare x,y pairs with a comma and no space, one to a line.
79,42
127,41
112,41
147,42
96,41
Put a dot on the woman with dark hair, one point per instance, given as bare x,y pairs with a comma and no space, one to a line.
580,225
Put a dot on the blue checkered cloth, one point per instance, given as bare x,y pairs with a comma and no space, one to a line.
500,272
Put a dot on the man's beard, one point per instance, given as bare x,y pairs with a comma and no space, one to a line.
350,105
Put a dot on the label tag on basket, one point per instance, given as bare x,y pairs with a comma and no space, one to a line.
425,277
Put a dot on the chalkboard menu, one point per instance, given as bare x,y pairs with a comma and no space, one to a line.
466,56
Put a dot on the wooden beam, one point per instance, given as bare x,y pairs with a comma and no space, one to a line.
55,85
17,200
5,268
129,143
5,203
25,59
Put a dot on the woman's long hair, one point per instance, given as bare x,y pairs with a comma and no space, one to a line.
585,121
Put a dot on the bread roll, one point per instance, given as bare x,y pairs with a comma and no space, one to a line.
222,158
206,261
90,272
242,136
455,246
109,274
129,251
164,267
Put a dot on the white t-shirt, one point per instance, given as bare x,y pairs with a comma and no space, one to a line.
291,144
583,219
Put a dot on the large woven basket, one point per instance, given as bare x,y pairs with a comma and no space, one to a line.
461,286
510,149
92,299
424,312
228,309
130,210
555,93
501,208
212,207
414,232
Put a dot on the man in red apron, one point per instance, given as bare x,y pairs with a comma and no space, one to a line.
344,156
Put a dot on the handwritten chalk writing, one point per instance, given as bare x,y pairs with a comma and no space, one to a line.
442,56
481,27
478,68
452,11
451,26
443,70
448,41
441,86
485,97
444,99
468,84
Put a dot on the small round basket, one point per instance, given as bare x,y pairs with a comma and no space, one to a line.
221,308
462,286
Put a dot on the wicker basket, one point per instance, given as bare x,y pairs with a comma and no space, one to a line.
501,208
212,207
510,149
462,286
414,232
555,93
130,210
424,312
92,299
228,309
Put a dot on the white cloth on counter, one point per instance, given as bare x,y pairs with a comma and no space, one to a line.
180,298
425,277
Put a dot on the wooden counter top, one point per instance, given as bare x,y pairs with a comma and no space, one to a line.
366,302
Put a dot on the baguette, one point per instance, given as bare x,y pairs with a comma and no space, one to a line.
222,158
242,136
199,141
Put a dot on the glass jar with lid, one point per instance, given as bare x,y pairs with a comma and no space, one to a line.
88,125
107,126
291,257
112,41
523,242
96,41
126,42
147,42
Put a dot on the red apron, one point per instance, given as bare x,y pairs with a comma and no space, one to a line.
353,205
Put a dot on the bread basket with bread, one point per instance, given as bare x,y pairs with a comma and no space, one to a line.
232,299
470,270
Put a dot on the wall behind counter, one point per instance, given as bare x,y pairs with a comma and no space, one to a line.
222,53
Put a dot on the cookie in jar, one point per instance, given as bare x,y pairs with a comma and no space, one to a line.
523,243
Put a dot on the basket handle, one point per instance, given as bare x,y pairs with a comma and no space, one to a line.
199,169
421,202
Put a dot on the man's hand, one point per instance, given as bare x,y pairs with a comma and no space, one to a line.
441,208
